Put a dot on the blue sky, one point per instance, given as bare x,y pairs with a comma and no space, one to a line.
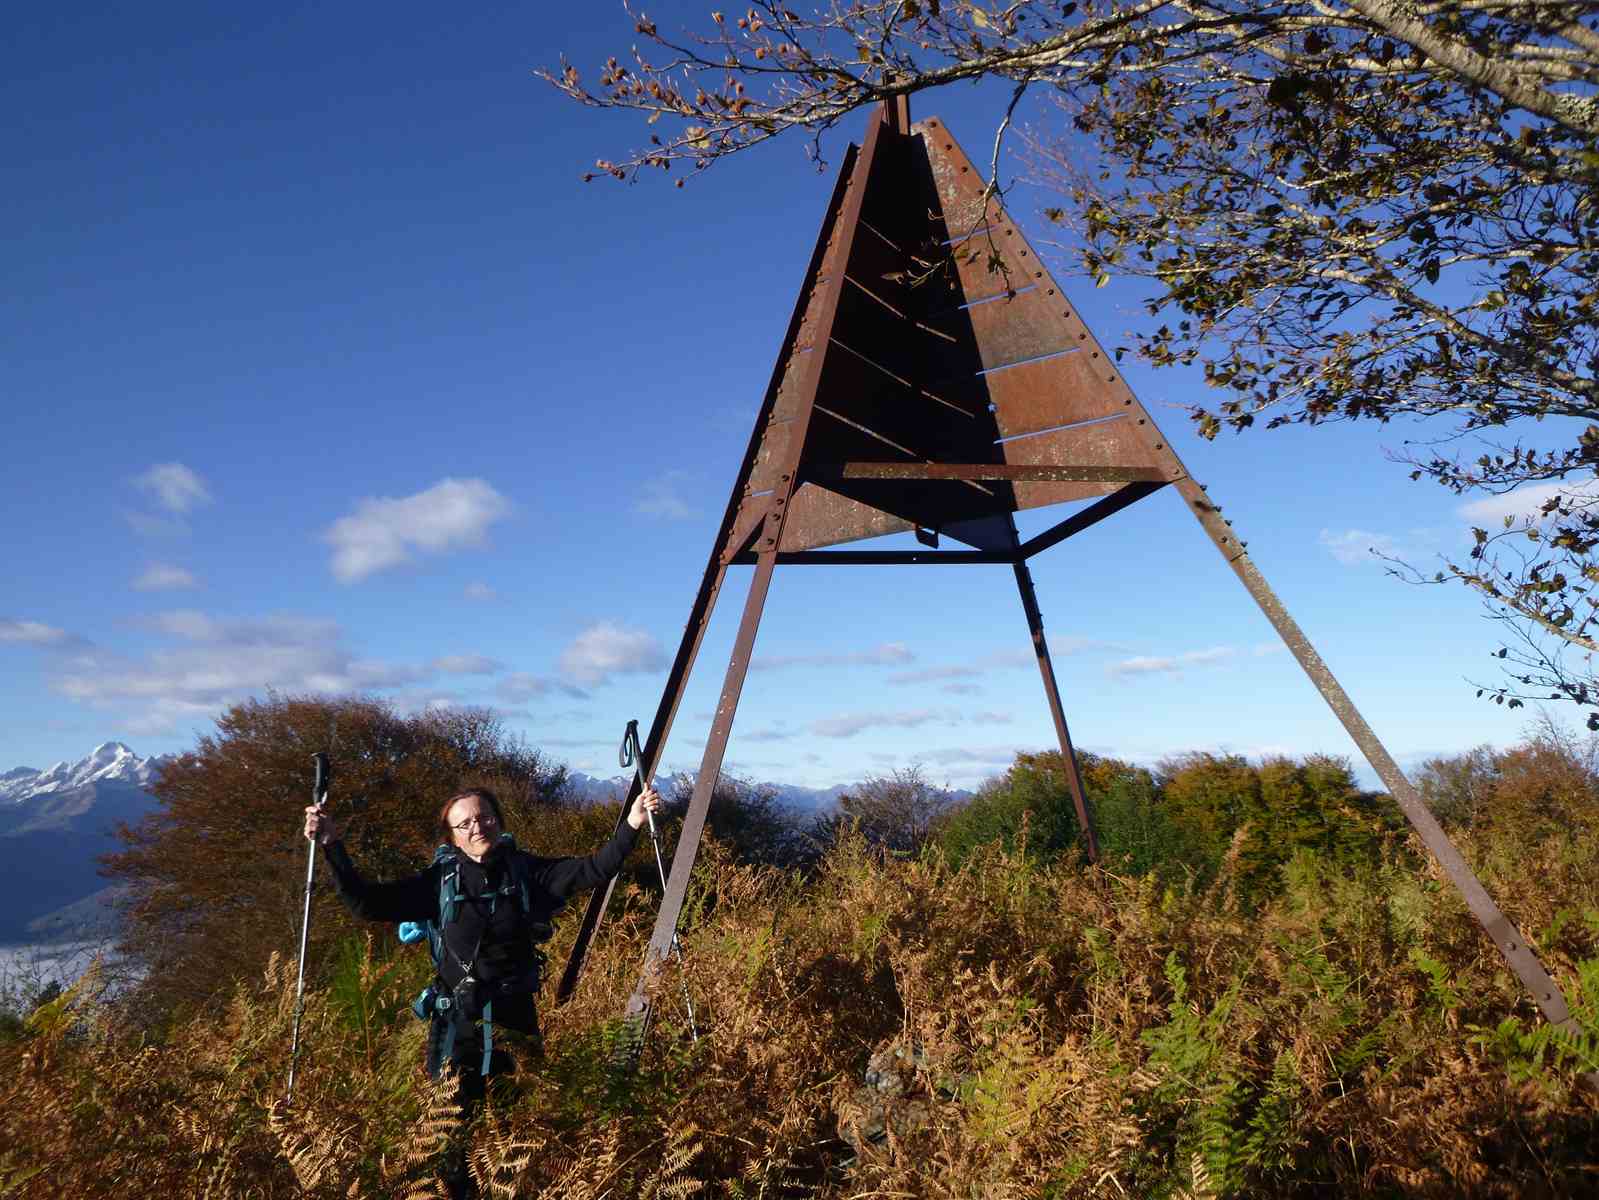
322,370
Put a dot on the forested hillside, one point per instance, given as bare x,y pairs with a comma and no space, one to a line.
1264,990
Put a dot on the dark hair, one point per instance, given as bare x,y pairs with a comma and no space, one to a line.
483,794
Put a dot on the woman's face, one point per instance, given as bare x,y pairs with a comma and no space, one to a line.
472,826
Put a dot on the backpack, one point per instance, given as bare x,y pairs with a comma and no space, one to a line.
436,1000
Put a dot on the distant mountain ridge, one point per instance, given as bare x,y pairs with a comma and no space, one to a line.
54,825
791,795
65,795
595,790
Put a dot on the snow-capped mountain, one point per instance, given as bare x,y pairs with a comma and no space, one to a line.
111,777
55,823
109,762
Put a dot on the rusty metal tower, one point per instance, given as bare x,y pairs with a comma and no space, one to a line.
935,379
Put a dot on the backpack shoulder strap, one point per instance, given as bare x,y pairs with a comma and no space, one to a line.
449,898
520,866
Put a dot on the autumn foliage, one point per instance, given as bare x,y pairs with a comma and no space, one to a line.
1059,1030
216,874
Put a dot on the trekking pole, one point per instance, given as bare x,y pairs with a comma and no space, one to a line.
631,756
319,797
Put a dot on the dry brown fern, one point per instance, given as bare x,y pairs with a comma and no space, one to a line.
669,1179
436,1129
499,1158
319,1154
586,1170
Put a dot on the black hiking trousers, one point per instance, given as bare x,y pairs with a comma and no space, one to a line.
516,1037
515,1028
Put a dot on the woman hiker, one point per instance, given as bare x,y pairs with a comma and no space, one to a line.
484,905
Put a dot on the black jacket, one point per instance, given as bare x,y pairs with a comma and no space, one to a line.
498,944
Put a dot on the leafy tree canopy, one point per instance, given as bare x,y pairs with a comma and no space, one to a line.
1028,810
1196,814
1546,786
899,811
216,874
1350,210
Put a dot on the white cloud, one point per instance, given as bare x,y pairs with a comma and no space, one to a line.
174,486
1171,664
466,664
32,633
934,674
607,649
995,660
1355,547
162,577
480,591
217,662
889,654
276,630
989,718
997,756
767,735
388,532
520,687
849,724
1198,658
423,699
1143,665
1526,503
663,497
166,715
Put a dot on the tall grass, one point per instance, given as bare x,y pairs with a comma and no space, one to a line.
1058,1031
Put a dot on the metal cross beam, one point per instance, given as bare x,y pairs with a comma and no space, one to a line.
883,558
1016,472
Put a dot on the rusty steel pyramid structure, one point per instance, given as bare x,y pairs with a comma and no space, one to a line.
935,379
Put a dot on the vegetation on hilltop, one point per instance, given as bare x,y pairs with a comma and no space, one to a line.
1215,1024
208,871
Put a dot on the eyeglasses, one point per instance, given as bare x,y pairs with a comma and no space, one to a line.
482,821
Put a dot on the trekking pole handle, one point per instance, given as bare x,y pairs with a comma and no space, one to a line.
630,755
324,776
